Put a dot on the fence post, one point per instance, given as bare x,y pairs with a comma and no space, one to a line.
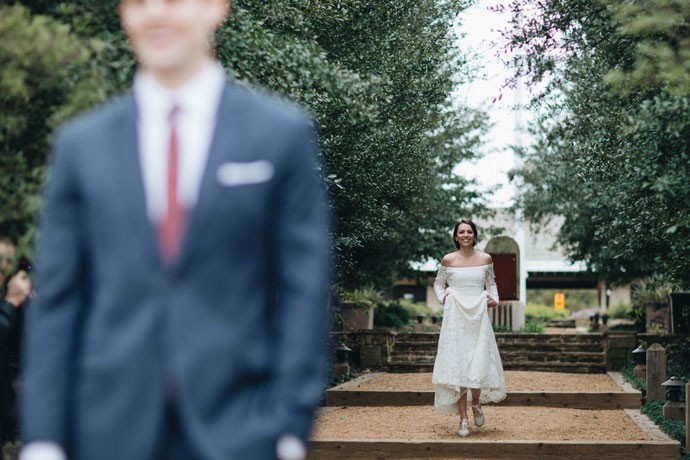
656,372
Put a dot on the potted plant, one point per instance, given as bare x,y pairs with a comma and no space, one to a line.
357,308
651,295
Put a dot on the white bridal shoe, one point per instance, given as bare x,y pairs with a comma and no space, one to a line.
478,420
464,429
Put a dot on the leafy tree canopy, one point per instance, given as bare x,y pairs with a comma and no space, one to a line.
611,153
376,75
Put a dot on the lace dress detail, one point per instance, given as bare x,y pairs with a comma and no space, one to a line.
467,355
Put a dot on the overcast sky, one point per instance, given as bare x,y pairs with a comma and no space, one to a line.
481,27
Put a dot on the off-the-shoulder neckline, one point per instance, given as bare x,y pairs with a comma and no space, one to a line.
472,266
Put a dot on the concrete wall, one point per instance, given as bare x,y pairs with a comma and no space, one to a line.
619,294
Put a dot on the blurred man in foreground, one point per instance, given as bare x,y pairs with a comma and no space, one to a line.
182,265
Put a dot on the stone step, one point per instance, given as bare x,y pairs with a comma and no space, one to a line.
512,356
415,432
551,389
383,449
570,399
576,368
432,346
564,323
511,337
551,339
545,356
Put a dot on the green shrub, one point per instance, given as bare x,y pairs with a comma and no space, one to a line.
678,359
502,328
363,296
621,311
544,312
678,363
392,314
534,325
420,308
623,328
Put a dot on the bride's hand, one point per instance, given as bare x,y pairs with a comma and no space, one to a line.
491,303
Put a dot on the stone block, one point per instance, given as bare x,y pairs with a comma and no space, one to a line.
674,411
340,369
371,356
622,341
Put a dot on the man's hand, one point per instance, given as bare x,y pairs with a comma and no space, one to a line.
18,289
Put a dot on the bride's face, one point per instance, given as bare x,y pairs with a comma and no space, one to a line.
465,236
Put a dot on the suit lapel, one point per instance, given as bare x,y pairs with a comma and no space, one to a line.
131,184
227,139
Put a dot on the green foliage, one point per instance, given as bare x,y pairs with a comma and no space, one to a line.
611,155
420,308
621,311
363,296
45,77
376,75
653,289
575,299
544,312
678,364
534,326
392,314
660,30
678,359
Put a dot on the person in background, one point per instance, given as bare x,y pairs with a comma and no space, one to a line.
183,265
16,288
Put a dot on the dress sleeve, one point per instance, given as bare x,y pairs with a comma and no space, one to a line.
440,283
491,287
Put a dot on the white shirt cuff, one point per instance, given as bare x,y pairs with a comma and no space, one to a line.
42,450
290,447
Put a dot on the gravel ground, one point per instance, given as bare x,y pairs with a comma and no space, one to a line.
502,423
515,381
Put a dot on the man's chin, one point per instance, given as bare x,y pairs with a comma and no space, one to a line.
160,66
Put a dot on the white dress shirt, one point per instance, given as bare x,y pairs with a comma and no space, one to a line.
197,101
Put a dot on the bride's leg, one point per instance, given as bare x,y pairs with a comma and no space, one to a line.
476,393
462,403
476,407
463,429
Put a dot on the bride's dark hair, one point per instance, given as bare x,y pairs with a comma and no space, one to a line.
455,231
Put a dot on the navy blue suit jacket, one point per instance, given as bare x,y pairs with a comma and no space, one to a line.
238,323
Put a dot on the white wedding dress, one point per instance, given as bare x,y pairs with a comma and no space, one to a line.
467,354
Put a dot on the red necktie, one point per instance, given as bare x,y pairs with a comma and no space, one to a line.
172,225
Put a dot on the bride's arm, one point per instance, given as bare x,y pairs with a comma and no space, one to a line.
440,284
491,288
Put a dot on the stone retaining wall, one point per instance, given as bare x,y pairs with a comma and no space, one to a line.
374,349
619,346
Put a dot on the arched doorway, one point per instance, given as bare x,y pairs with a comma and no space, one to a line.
506,255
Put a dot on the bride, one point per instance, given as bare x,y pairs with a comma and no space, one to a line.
467,356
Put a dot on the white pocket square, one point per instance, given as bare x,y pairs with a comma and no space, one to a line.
255,172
